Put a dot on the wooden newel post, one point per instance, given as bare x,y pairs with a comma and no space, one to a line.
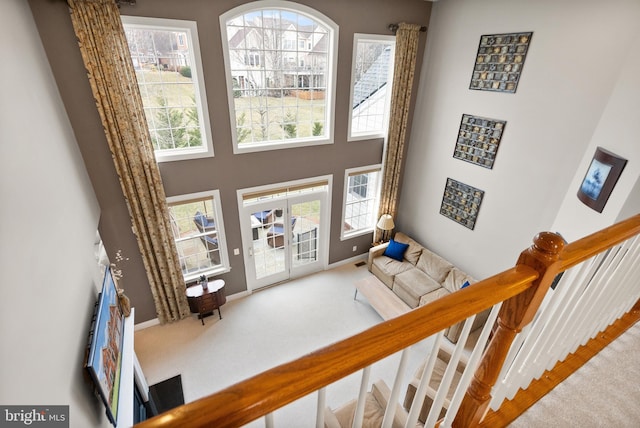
515,313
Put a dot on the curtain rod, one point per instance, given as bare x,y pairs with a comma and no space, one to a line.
394,27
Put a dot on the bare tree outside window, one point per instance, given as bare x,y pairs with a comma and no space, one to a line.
172,96
278,63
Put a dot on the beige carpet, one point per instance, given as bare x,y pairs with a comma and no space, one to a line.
605,392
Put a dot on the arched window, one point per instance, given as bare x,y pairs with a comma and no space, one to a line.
280,69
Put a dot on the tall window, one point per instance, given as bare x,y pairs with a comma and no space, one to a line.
279,60
371,79
165,55
196,222
361,199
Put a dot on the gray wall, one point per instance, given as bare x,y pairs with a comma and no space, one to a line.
225,171
576,91
48,221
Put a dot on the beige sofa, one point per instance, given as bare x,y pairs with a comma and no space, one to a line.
421,277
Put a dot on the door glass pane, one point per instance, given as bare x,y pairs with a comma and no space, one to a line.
306,216
268,242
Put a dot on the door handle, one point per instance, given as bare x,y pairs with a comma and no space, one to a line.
251,251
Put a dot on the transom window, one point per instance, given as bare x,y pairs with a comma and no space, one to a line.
165,55
371,81
361,200
279,60
198,229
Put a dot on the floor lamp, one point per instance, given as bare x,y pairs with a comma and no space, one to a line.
385,224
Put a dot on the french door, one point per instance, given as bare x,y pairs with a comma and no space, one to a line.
284,238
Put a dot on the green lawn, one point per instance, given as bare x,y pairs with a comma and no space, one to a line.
258,118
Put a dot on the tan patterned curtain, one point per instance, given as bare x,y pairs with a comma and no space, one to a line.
106,56
407,37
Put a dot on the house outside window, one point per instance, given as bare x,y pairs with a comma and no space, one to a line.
198,230
166,58
371,81
361,200
287,98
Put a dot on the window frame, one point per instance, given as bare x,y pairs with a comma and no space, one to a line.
197,76
213,195
330,76
367,135
344,234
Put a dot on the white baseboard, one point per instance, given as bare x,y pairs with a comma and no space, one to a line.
348,261
156,321
239,295
147,324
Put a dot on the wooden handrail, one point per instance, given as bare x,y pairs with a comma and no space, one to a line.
246,401
587,247
521,288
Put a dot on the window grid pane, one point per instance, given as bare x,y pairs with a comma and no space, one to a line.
278,62
373,67
194,227
361,202
163,63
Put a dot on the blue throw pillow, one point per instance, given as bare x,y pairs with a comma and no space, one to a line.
466,284
396,250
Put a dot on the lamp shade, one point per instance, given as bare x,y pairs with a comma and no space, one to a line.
386,222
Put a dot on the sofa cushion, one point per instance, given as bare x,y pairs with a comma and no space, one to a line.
453,332
413,252
434,265
456,279
396,250
386,268
413,284
434,295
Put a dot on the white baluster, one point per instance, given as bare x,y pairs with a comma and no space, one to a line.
395,391
322,403
469,371
445,383
362,398
268,420
421,391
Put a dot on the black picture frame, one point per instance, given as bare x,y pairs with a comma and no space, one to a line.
461,203
600,179
478,140
499,61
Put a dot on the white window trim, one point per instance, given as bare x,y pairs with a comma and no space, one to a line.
222,240
357,37
331,74
196,75
352,171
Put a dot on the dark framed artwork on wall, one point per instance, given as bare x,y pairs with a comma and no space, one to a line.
478,140
499,61
601,177
461,203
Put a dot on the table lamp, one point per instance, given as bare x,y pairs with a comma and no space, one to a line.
385,224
